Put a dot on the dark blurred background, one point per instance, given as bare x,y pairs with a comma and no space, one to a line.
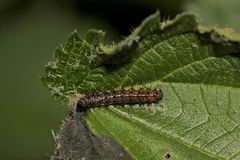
30,30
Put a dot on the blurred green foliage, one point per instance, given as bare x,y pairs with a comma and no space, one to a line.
30,30
217,13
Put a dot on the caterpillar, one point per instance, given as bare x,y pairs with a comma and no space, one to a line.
119,97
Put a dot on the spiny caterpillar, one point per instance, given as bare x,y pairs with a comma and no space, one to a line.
119,97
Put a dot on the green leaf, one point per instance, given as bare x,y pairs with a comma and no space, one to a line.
199,115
